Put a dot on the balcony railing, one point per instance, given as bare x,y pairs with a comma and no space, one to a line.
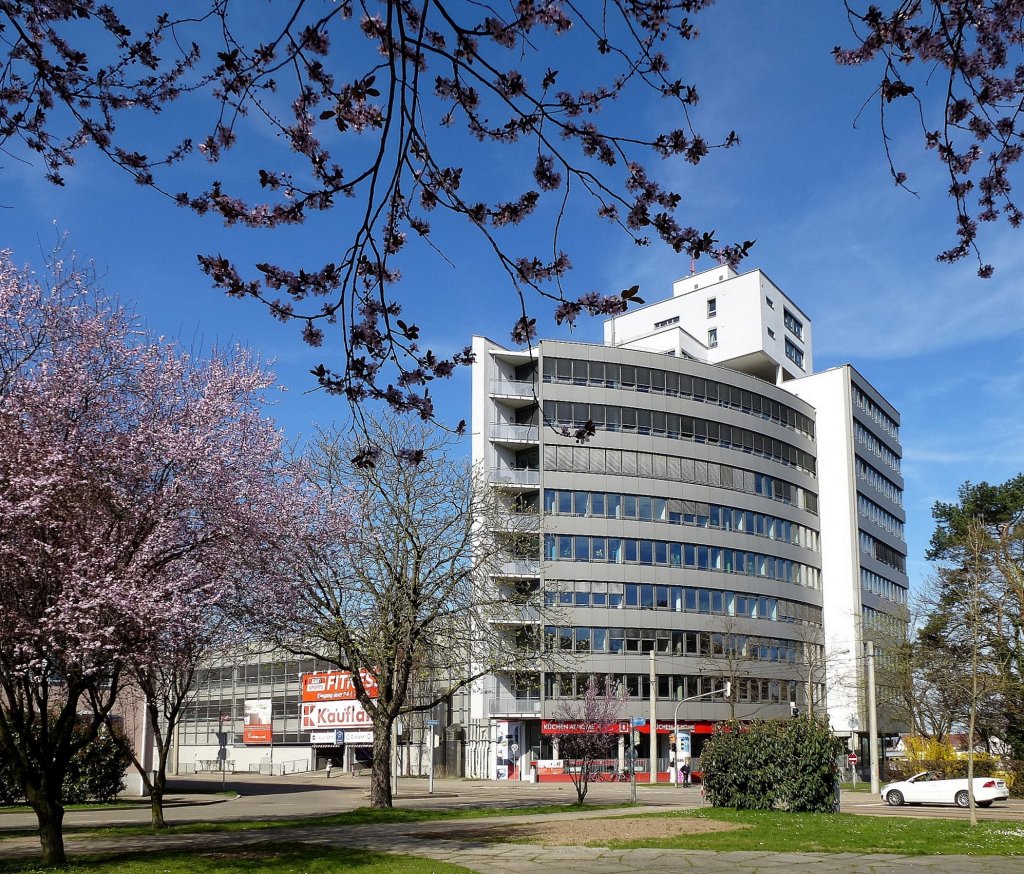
516,523
513,388
519,568
515,476
518,433
514,707
512,615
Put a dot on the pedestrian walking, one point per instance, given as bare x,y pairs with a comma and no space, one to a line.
330,765
686,773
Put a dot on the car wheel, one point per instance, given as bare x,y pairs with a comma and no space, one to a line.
894,798
984,804
962,799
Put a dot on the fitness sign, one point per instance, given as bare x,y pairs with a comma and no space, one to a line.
329,700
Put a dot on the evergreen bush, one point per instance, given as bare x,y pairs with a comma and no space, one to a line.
95,773
787,764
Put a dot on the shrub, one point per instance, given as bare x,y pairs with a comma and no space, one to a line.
789,764
95,773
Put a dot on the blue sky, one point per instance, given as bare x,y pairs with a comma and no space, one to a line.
832,231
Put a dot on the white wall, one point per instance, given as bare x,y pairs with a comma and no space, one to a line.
829,392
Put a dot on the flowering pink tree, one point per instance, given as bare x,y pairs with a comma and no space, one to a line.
135,484
589,730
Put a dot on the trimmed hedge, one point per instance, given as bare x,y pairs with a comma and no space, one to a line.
788,764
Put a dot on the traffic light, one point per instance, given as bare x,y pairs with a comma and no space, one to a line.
728,689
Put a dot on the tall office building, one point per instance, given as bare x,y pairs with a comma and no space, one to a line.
734,514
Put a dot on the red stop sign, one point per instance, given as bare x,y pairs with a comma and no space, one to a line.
853,758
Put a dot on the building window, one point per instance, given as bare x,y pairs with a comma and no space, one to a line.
770,302
712,338
794,353
771,334
796,327
664,324
712,307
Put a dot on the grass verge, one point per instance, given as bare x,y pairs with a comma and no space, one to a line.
779,832
269,858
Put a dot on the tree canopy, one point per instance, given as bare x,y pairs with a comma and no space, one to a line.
136,482
412,122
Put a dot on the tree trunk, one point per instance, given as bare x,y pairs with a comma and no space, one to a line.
50,815
156,782
156,801
380,775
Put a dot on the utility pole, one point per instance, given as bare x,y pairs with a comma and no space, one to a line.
872,719
654,723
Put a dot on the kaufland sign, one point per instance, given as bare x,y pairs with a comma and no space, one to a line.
334,714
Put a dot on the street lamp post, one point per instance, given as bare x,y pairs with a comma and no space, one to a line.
872,718
653,764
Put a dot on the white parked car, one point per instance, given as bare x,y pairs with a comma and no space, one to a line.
929,787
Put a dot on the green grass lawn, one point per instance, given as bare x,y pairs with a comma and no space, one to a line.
359,816
270,858
780,832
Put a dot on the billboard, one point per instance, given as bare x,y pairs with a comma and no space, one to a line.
257,728
335,686
334,714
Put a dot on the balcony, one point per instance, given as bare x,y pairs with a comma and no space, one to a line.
514,616
523,477
514,433
523,567
514,388
518,523
514,707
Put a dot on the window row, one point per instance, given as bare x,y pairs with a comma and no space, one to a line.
610,505
881,483
270,673
652,465
876,446
647,596
672,642
676,427
628,550
883,518
883,552
675,687
232,710
880,417
646,379
879,620
871,582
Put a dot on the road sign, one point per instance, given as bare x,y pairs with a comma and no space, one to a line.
432,722
853,758
639,720
514,748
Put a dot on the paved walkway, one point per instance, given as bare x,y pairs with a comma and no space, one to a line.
434,840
